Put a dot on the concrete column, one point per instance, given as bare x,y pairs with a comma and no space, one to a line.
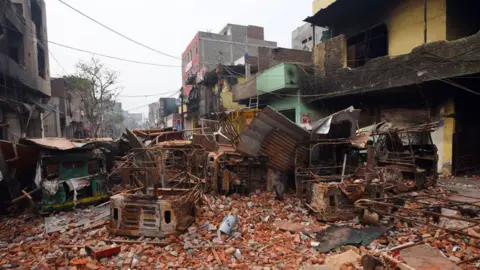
42,124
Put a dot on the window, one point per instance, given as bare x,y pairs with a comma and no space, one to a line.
310,38
41,61
15,45
196,50
167,216
36,13
367,45
304,41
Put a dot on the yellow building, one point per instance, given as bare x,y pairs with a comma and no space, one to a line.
405,46
320,4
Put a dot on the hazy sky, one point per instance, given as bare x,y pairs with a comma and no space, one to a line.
167,26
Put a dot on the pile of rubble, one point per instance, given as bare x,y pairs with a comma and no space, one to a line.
260,233
364,198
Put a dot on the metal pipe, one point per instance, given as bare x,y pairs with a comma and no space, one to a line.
344,164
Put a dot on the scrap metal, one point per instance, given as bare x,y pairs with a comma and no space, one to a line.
160,208
274,135
428,210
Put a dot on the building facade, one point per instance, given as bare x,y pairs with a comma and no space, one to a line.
67,115
166,107
132,120
404,59
154,114
24,68
207,50
306,36
281,75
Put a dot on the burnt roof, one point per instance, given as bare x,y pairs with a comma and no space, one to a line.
349,10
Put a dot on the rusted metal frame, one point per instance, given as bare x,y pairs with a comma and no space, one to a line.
451,201
424,223
412,154
427,196
367,201
416,200
428,127
195,190
324,167
126,172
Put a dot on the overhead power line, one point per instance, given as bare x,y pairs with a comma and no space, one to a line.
95,53
113,57
139,107
152,95
118,33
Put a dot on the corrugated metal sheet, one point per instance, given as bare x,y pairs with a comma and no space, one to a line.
273,135
322,126
53,143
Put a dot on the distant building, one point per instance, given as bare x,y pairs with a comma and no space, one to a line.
132,120
154,114
303,37
167,106
174,120
207,50
67,118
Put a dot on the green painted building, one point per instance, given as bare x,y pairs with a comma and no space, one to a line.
279,88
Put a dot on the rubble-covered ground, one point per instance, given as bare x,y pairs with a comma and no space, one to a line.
255,243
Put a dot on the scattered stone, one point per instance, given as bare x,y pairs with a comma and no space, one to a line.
83,252
187,245
91,266
230,251
297,239
454,259
127,262
237,254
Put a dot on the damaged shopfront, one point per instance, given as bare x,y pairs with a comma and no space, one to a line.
68,174
345,164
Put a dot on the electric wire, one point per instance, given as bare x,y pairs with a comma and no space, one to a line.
118,33
103,55
139,107
113,57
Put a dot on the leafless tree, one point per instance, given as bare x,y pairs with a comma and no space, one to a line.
98,87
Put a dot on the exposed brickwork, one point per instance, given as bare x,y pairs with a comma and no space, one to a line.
335,53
